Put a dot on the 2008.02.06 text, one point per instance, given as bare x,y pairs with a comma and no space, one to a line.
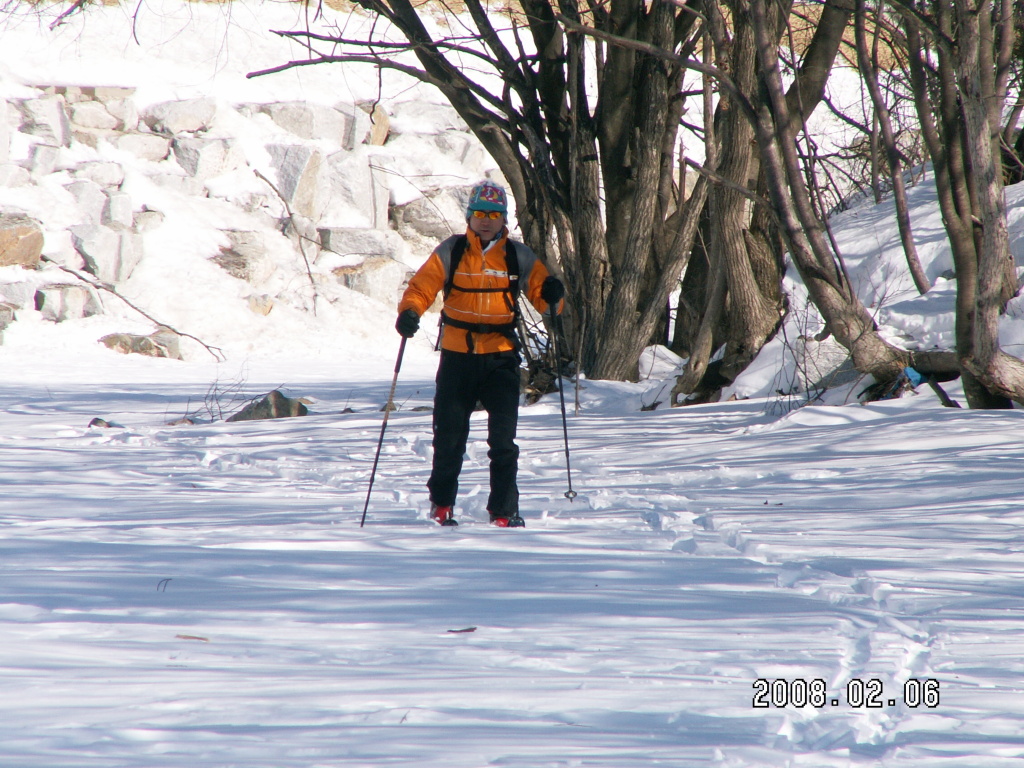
859,693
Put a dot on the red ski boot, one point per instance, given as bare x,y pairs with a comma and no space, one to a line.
442,515
510,521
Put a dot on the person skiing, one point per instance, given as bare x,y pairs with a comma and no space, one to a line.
481,275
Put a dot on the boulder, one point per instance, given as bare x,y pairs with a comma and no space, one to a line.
109,94
12,175
21,241
186,116
300,177
353,241
434,216
147,220
118,211
7,314
460,146
102,173
47,119
274,406
67,301
92,114
261,304
206,158
90,200
163,343
19,294
5,133
125,112
356,186
42,160
246,257
108,254
378,277
147,146
380,126
304,235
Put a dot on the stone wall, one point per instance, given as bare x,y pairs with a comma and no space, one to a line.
314,179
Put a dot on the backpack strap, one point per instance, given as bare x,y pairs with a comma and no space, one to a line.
450,252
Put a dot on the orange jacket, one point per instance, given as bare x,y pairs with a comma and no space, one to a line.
476,269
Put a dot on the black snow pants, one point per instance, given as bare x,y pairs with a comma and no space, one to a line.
462,380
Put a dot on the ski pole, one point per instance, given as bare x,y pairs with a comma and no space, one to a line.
557,324
383,426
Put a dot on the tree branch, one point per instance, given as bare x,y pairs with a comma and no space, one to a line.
215,351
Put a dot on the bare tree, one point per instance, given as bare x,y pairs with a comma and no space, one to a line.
961,60
868,64
593,172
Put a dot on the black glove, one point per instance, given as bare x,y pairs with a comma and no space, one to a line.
552,290
408,323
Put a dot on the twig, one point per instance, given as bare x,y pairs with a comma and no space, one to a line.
217,352
302,238
79,4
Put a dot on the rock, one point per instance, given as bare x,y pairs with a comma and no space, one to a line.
125,112
305,236
104,174
380,126
93,137
300,180
46,118
18,295
308,120
5,134
163,343
42,160
435,216
104,424
352,241
67,301
90,199
261,305
147,220
92,114
274,406
460,146
118,212
147,146
355,186
246,258
109,94
184,185
206,158
7,314
378,277
109,255
186,116
21,241
12,175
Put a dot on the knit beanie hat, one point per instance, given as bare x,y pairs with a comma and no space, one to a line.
487,196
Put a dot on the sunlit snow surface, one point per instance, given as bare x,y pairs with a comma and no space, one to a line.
204,594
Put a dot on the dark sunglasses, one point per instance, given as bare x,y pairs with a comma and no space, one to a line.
487,214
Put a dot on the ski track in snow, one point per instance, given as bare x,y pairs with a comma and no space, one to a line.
204,595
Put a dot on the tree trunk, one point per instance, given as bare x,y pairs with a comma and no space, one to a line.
843,312
998,372
869,73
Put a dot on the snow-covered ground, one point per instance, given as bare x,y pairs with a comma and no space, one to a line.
203,595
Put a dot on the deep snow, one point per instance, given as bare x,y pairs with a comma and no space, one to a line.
203,595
